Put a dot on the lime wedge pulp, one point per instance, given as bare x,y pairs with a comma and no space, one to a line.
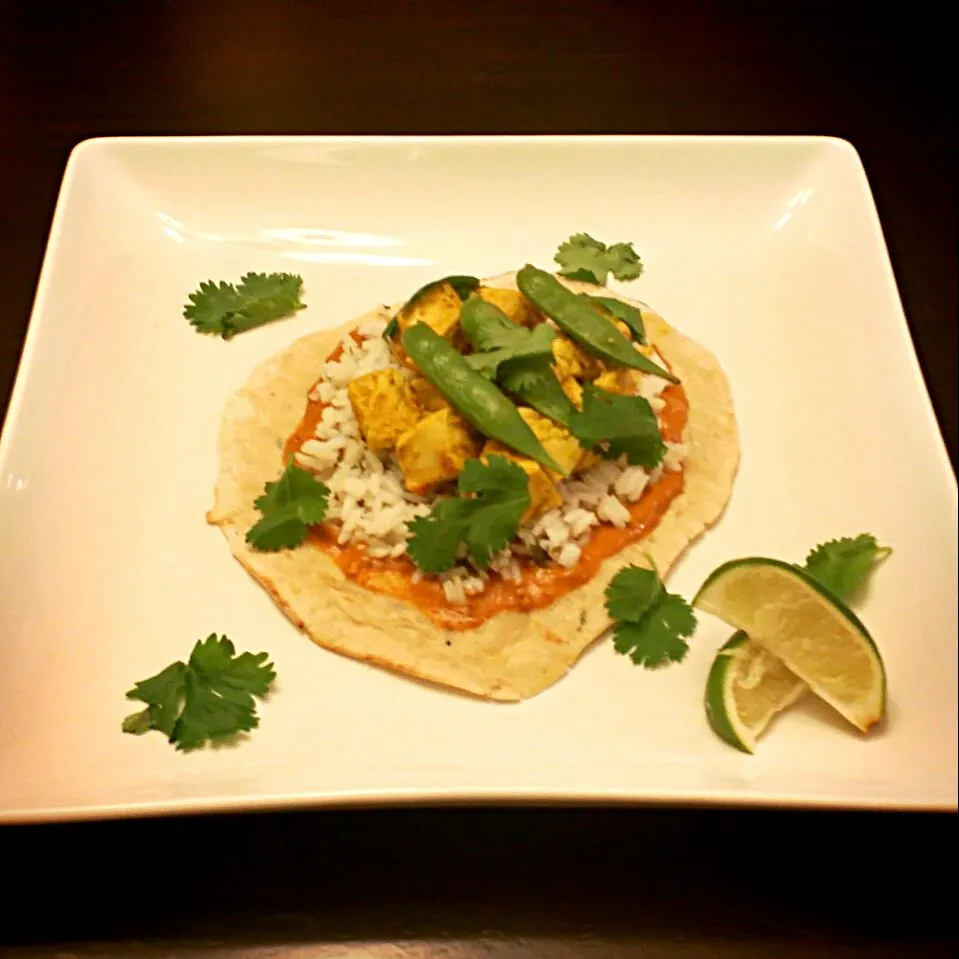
813,632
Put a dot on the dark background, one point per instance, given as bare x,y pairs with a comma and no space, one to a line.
490,882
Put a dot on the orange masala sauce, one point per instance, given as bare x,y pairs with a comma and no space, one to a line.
538,586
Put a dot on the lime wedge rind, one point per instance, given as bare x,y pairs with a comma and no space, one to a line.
722,710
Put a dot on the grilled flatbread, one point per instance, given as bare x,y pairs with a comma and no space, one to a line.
513,654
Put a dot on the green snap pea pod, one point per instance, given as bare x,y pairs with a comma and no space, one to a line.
574,315
626,312
463,285
534,382
479,401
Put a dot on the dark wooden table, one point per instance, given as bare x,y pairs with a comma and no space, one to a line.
489,882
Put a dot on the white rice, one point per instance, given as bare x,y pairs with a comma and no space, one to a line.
612,511
459,584
569,555
676,454
369,500
631,483
367,494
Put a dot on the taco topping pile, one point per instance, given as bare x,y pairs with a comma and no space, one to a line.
486,447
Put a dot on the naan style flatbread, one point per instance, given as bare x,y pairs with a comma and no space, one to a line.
512,655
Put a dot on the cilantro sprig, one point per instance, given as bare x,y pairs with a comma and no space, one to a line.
493,496
612,425
208,699
224,309
509,346
583,258
289,507
652,625
498,340
843,565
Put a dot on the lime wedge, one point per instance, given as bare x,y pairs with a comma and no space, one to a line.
746,687
800,622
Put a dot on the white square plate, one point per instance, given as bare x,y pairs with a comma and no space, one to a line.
768,251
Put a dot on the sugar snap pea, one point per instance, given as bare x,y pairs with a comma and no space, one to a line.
478,400
575,316
626,312
463,285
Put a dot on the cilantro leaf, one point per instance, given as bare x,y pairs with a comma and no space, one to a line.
631,592
162,694
583,258
652,624
222,309
493,496
535,382
435,538
266,297
624,262
497,339
210,305
208,699
660,639
522,377
843,565
502,492
289,507
614,425
487,364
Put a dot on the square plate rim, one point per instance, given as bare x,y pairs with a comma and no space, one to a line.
388,796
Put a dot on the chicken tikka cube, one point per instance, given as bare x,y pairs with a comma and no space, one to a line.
435,449
428,396
574,390
572,361
622,380
438,307
513,304
558,441
384,406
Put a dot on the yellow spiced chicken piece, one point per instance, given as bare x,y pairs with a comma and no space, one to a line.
438,307
571,361
574,390
559,442
513,304
543,494
428,396
435,449
587,460
620,380
384,406
561,447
